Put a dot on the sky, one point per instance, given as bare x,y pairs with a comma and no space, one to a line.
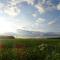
31,15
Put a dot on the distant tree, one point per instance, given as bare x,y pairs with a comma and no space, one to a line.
6,37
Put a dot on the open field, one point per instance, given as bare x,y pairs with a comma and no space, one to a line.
29,49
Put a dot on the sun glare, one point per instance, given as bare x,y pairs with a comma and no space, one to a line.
5,26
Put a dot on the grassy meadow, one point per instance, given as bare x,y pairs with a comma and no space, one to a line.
30,49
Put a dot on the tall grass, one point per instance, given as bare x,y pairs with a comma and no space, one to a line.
30,49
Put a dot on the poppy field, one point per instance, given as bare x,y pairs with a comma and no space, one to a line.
30,49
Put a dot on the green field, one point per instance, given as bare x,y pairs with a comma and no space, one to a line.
29,49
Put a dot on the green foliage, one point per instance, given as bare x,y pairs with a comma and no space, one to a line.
30,49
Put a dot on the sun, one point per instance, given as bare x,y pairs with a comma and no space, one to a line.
6,25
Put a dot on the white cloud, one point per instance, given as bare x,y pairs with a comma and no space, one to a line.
40,8
51,22
40,30
45,5
58,6
50,6
34,15
40,24
30,1
12,11
49,3
10,8
43,1
1,7
40,21
15,2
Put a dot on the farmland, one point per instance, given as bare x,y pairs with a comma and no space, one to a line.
29,49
